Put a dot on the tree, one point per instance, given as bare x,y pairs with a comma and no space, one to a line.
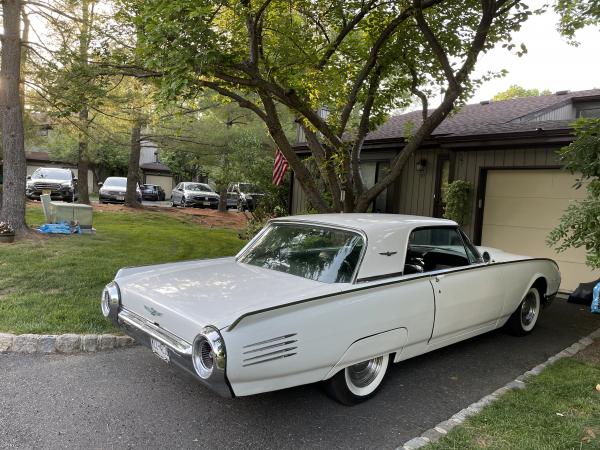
580,224
575,15
360,58
516,91
14,169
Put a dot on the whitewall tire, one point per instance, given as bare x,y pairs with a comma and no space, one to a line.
358,382
526,316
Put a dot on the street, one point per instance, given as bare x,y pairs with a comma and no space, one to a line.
130,399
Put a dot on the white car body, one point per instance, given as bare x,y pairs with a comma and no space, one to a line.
281,330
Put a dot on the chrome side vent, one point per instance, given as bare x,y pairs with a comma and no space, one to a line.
270,349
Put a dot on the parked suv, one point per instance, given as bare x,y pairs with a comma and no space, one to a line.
243,196
61,183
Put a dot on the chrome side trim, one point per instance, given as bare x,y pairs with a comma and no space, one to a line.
175,343
269,359
278,338
270,350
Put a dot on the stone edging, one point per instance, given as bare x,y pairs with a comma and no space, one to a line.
442,428
61,343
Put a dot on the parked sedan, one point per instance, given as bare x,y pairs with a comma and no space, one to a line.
113,190
152,192
194,194
332,298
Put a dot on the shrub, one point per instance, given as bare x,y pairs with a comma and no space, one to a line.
458,201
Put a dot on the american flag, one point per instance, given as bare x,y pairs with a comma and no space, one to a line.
279,168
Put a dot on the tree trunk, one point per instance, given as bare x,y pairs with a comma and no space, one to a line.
82,153
15,164
223,198
24,51
82,158
133,169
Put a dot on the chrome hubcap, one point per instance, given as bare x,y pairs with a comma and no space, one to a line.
529,309
363,374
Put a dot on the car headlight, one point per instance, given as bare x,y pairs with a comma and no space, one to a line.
208,353
111,299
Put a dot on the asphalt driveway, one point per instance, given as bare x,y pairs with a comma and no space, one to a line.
130,399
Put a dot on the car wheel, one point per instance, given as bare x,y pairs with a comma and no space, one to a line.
182,202
358,382
524,319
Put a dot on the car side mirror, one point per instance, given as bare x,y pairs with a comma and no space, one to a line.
486,257
75,180
29,177
100,183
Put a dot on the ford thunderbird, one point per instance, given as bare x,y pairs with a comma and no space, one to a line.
332,298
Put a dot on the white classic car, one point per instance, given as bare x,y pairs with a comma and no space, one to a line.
333,298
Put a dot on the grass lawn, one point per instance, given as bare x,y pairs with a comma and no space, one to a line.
559,409
52,284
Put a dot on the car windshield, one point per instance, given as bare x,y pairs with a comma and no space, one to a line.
116,182
51,174
248,187
198,187
318,253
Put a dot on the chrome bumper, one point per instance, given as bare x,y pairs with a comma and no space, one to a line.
180,351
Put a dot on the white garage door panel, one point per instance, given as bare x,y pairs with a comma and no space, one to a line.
524,212
522,207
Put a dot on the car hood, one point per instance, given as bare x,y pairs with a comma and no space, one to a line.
200,193
184,297
114,188
48,180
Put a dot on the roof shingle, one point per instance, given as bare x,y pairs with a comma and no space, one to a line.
490,118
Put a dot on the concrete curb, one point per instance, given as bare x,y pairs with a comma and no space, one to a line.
61,343
442,428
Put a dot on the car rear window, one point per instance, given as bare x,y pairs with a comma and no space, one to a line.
315,252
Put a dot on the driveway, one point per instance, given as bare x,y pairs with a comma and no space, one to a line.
130,399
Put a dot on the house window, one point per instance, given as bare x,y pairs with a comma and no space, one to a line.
590,112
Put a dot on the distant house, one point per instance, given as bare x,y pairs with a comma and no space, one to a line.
153,171
507,150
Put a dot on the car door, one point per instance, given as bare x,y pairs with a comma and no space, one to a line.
176,194
469,294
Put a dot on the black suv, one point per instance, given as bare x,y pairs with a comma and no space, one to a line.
61,183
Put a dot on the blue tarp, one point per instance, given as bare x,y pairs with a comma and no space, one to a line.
59,228
596,299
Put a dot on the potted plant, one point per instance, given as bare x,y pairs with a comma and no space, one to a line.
7,234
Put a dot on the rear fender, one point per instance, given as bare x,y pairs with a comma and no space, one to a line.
371,347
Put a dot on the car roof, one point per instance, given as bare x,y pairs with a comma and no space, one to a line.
387,237
371,223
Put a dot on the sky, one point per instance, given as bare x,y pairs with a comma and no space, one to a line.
551,63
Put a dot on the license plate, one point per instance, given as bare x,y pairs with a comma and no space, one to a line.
206,203
160,350
120,197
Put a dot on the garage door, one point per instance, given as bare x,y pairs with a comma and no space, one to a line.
522,206
165,182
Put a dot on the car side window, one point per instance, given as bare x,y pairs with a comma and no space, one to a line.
431,249
474,256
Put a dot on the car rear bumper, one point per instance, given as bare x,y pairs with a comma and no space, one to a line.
180,351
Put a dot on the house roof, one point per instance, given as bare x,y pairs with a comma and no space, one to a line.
155,167
38,156
488,118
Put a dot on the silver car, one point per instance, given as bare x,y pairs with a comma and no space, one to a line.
194,194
